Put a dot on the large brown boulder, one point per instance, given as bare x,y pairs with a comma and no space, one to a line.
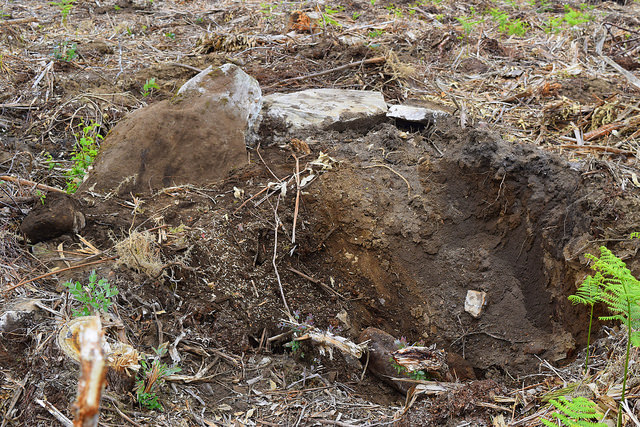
195,138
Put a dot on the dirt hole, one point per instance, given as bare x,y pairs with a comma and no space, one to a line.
411,230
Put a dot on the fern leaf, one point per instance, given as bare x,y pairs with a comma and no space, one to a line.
576,412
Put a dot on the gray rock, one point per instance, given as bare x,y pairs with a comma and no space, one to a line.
416,114
337,109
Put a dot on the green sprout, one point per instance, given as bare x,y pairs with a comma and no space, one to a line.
65,51
84,154
65,7
95,296
151,377
149,86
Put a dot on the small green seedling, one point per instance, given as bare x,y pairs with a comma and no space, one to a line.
469,23
95,296
170,35
151,377
149,86
613,285
41,196
84,154
65,7
65,51
327,16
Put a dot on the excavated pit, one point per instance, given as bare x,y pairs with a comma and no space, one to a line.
485,215
401,227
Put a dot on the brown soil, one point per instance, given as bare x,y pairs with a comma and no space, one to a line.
405,221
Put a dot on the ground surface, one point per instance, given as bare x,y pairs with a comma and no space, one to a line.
536,166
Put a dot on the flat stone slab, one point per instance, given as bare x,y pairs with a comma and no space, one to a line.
337,109
416,114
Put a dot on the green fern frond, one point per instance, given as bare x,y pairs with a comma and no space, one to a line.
588,291
576,412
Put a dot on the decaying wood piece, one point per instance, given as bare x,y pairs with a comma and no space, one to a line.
93,370
415,358
118,355
327,341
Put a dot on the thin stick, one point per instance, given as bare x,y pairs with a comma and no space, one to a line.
17,21
55,412
387,167
250,198
295,212
317,282
376,60
27,182
599,148
73,267
275,251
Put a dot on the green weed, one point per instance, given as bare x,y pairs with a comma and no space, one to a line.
615,286
95,296
83,156
507,25
469,23
65,51
570,19
149,86
395,10
328,19
375,33
65,7
42,196
151,377
267,9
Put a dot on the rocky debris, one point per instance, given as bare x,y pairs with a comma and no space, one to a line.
196,138
60,214
416,114
336,109
474,302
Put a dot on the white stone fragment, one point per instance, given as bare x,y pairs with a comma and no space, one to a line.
474,302
416,114
325,108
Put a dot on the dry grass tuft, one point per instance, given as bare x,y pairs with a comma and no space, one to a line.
140,252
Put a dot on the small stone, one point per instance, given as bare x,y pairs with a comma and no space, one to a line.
474,302
416,114
60,214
